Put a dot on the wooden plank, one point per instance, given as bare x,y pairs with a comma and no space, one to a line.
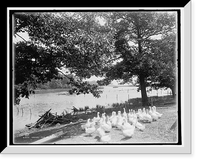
48,138
57,134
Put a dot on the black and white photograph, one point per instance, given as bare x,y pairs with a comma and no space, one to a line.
95,77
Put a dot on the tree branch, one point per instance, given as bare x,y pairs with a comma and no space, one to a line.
113,59
62,73
20,37
157,33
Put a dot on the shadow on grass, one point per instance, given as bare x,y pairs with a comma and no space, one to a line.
88,135
97,138
126,138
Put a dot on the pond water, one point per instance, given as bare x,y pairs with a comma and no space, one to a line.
29,109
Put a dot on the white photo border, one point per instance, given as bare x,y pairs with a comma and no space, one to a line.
185,101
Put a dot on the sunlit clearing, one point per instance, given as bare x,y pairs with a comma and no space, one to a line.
156,37
94,78
131,43
100,20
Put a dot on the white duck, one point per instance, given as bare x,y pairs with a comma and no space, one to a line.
97,118
130,112
140,126
125,113
154,110
106,125
127,129
134,114
139,114
103,116
113,114
146,116
153,114
103,136
87,124
100,131
108,121
119,120
126,125
90,130
149,116
144,112
132,117
113,119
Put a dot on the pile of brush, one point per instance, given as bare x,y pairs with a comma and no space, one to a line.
50,119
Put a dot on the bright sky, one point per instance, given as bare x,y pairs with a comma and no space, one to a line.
24,35
114,82
101,20
94,78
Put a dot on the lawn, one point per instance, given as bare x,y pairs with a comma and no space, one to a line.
155,132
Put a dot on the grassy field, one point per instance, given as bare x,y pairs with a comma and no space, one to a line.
154,132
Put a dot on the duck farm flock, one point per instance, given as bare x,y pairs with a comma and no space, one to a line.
126,122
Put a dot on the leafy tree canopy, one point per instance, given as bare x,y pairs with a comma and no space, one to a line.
74,41
141,47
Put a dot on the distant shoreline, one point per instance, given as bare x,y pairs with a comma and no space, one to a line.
42,91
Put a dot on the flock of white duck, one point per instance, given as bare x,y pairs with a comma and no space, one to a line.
126,122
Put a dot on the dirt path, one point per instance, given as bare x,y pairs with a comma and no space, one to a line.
155,132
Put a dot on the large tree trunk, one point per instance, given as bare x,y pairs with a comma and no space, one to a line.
141,77
173,88
143,91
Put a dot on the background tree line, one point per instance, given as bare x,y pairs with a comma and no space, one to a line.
54,84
